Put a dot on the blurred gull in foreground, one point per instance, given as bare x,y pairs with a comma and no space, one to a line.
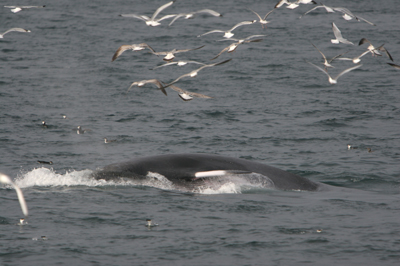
6,180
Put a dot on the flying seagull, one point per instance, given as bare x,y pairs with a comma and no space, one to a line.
156,82
338,35
263,21
133,47
191,15
16,9
152,21
6,180
187,95
348,15
13,29
228,33
373,50
170,55
327,63
327,8
334,80
231,48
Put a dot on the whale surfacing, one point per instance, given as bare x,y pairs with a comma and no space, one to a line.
193,170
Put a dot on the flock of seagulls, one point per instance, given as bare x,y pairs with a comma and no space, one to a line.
169,56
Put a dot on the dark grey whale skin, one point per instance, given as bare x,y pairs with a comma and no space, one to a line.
180,169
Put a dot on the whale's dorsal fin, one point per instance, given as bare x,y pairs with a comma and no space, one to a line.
214,173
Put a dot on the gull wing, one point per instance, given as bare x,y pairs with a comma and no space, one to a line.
141,17
213,31
347,70
326,73
187,50
209,11
161,8
241,24
223,50
259,17
394,65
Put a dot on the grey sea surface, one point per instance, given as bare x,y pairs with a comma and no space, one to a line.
269,105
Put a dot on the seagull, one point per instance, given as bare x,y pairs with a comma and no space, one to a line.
228,34
348,15
262,21
133,47
334,80
16,9
394,65
44,124
179,63
170,55
194,73
231,48
369,150
187,95
338,35
156,82
152,21
13,29
357,59
192,14
327,63
373,50
6,180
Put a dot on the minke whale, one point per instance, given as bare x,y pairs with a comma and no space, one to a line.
191,171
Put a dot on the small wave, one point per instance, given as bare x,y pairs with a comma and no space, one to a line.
44,177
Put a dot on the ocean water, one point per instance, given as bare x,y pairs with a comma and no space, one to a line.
269,105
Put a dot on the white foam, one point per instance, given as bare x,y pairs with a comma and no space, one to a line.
44,177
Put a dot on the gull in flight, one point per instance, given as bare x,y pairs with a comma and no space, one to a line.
156,82
334,80
170,55
152,21
194,73
228,34
293,5
187,95
16,9
6,180
133,47
338,35
357,59
231,48
263,21
347,14
13,29
179,63
327,63
373,50
192,14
